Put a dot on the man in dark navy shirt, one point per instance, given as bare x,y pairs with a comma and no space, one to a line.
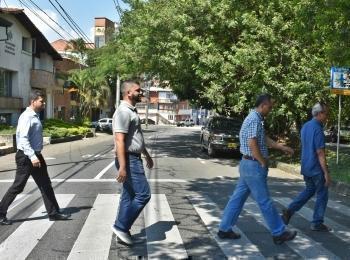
314,168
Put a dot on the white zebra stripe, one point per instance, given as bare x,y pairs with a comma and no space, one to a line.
339,230
94,240
303,245
163,237
209,213
22,241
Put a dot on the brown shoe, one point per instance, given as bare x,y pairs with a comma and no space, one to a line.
228,235
285,236
320,228
286,216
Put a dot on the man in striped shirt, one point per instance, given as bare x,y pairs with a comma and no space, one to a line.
253,170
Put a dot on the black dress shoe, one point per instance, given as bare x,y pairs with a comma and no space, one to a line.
228,235
4,221
285,236
286,216
320,227
59,216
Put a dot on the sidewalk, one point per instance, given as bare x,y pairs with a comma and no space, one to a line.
337,187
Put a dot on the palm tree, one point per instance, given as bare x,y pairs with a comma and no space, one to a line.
78,49
93,91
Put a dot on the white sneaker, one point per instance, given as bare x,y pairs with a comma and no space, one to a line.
122,236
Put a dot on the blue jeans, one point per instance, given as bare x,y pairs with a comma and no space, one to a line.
253,180
314,184
135,195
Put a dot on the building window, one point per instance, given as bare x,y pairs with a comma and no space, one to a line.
170,117
99,41
5,119
26,44
5,83
74,96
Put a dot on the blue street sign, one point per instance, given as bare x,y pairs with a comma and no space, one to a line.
340,78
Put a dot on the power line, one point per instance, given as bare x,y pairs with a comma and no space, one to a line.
73,22
64,18
35,13
5,4
33,3
118,11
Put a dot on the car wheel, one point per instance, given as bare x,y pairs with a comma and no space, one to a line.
211,151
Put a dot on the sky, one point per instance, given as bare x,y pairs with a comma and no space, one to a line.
82,12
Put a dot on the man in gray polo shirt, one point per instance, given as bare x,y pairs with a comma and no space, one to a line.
129,144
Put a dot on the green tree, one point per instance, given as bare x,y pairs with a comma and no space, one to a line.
92,89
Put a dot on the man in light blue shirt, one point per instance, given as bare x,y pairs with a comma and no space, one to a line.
30,162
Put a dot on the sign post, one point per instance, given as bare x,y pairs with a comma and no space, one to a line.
340,85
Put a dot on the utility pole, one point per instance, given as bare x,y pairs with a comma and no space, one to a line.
117,92
147,101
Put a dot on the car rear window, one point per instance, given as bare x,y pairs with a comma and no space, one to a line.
226,124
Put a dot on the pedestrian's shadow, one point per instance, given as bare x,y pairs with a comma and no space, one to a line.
69,210
156,231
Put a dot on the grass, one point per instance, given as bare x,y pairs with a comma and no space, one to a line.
340,172
7,130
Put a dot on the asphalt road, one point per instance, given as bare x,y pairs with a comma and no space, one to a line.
189,192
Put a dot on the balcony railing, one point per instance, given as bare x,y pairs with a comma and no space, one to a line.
11,102
42,79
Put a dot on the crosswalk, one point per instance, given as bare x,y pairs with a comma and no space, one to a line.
165,235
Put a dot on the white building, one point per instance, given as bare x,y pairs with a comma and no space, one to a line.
26,62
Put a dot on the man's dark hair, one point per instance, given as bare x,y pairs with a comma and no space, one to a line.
127,84
35,94
262,99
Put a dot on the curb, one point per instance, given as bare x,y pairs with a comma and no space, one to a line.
336,186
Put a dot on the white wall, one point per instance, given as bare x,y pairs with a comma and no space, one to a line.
18,61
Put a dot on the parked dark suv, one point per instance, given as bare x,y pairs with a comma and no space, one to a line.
220,134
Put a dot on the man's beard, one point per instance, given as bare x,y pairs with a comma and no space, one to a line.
137,98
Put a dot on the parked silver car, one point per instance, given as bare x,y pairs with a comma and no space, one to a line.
104,124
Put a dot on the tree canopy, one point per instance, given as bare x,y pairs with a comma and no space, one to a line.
221,54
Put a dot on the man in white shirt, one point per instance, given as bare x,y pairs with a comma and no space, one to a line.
30,162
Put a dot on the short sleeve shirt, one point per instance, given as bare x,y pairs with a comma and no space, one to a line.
312,139
127,121
253,127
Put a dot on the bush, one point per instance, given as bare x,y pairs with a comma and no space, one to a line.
7,129
57,128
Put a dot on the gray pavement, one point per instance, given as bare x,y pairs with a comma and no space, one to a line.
189,191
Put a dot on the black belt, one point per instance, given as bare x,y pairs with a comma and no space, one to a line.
247,157
36,152
135,154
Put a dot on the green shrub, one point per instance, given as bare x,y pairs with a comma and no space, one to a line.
7,129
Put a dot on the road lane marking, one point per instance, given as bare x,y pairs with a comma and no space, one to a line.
210,214
339,207
163,237
303,245
98,176
87,155
101,180
94,240
49,158
18,200
23,240
338,230
97,155
201,160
